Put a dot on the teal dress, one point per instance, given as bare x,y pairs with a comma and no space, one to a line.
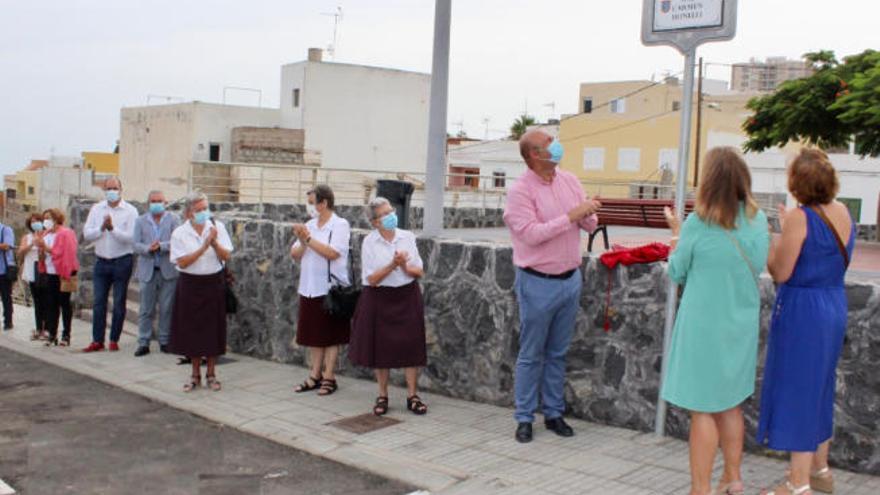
714,349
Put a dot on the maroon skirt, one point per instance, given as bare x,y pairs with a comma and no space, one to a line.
388,329
198,317
315,328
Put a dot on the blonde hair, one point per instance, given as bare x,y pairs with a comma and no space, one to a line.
725,183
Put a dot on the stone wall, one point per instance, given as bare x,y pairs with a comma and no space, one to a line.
473,333
867,233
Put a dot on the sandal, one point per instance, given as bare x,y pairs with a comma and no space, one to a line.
730,488
381,407
788,489
35,335
310,383
327,387
194,383
65,342
213,383
50,342
416,406
820,481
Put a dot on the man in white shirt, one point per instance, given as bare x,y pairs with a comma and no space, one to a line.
110,225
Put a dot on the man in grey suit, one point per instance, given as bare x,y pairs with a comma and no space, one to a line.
155,272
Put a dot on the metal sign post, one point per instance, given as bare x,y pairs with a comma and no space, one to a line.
684,24
436,167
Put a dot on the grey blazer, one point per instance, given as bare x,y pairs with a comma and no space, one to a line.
144,236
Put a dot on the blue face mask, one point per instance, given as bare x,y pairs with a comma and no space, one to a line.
389,221
112,195
201,217
156,208
555,150
36,226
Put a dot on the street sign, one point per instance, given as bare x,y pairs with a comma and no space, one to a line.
685,24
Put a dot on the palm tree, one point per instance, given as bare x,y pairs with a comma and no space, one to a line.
520,125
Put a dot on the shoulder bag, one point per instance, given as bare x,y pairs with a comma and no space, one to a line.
341,300
840,245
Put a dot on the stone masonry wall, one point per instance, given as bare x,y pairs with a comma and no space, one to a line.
472,330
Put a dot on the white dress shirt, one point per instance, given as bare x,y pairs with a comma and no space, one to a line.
49,239
313,266
31,257
114,243
185,240
377,253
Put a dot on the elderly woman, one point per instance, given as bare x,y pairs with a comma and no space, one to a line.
711,367
199,247
389,324
29,253
321,248
808,261
59,264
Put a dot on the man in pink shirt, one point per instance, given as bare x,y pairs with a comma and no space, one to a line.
546,210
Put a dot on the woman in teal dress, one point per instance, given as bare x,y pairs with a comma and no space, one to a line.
711,367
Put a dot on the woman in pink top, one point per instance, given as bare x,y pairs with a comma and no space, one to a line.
58,250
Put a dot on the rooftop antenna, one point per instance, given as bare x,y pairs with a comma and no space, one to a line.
337,18
552,106
460,125
486,124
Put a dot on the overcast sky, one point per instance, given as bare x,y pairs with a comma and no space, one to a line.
68,66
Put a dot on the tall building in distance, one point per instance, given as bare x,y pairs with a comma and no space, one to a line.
768,75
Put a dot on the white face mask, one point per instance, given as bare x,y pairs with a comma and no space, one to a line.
48,224
311,210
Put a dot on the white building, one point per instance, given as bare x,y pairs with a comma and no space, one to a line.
159,143
358,117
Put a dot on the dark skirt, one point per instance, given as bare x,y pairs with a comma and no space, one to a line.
316,328
388,329
198,318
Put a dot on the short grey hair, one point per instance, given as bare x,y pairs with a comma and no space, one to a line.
112,177
375,203
154,191
191,199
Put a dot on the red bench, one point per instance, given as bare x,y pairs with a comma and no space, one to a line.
632,213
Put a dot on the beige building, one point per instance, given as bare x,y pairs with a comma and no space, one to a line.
768,75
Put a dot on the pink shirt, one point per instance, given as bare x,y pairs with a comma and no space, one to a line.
544,239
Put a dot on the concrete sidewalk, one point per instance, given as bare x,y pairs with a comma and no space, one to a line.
459,447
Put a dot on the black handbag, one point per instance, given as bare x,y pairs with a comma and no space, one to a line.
11,270
231,299
341,300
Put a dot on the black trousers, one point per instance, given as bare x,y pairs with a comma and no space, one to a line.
37,294
6,297
57,304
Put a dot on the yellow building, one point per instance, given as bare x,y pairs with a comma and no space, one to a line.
101,163
626,136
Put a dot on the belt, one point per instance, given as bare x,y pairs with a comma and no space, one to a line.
116,258
561,276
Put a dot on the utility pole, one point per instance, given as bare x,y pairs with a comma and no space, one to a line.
699,123
435,172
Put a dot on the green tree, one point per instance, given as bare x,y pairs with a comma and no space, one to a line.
839,103
520,126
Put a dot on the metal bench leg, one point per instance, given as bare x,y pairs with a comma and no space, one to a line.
605,238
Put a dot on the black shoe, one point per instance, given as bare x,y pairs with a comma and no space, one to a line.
524,432
559,426
7,326
163,348
142,351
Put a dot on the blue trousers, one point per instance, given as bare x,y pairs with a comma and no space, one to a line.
110,274
547,312
158,290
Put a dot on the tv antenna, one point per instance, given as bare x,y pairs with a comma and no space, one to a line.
486,124
337,18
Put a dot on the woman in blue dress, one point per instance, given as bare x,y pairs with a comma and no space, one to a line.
808,262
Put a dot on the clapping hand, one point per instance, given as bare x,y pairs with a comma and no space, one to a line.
108,223
584,209
672,220
211,238
154,246
400,258
301,232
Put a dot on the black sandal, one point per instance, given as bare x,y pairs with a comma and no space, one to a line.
416,406
381,407
194,383
327,387
305,386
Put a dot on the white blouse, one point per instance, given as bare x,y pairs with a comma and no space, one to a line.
49,239
185,240
377,253
313,266
32,256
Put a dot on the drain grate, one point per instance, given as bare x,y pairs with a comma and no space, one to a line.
363,423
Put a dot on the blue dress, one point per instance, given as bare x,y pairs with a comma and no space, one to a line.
805,341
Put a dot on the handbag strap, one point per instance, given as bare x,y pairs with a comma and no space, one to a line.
348,267
840,245
742,253
3,240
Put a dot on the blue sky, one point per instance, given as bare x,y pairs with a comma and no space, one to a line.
67,67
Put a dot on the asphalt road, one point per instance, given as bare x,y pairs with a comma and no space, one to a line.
63,433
